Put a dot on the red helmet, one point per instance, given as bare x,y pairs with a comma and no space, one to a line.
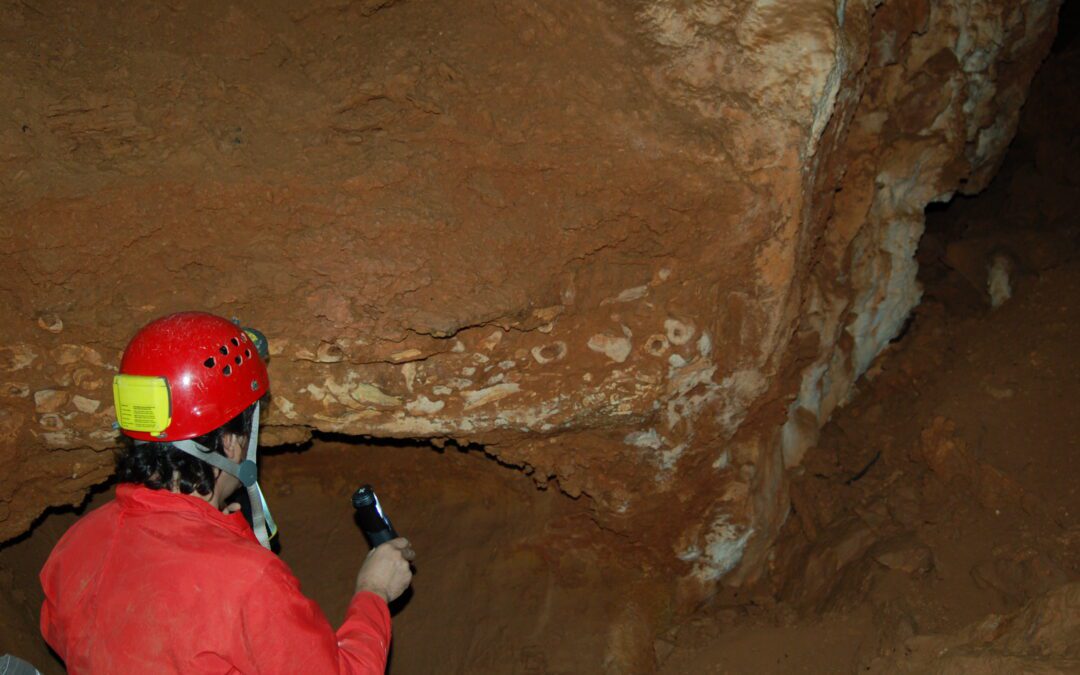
186,374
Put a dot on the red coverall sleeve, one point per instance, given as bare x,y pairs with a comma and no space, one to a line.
285,632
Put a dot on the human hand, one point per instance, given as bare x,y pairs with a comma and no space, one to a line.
231,508
386,571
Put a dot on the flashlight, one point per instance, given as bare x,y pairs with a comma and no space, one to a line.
370,516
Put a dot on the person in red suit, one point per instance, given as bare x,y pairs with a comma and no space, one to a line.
169,577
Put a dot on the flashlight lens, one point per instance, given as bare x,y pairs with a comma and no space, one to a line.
365,496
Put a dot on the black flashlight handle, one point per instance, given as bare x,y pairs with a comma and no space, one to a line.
371,518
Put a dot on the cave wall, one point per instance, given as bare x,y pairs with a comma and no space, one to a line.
640,250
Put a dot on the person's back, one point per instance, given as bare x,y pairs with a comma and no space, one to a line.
162,582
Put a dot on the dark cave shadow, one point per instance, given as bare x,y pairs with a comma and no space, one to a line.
440,445
1068,27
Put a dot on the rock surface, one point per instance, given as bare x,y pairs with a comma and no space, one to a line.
640,250
1043,637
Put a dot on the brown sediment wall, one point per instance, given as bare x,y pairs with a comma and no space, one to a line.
639,250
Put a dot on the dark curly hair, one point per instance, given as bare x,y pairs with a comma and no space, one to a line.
161,466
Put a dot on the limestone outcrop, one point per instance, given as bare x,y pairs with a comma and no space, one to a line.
1042,637
639,250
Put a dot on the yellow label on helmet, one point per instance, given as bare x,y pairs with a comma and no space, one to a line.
142,403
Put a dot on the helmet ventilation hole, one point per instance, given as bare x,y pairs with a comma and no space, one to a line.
247,353
224,350
239,360
235,342
210,362
227,370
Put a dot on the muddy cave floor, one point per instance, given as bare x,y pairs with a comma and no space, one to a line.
947,490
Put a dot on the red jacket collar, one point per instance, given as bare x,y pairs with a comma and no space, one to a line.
134,497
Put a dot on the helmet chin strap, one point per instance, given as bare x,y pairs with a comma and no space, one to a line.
246,472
